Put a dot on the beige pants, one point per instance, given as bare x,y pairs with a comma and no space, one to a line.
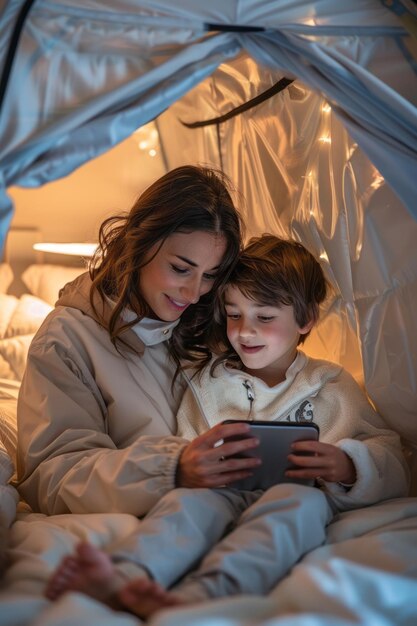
227,541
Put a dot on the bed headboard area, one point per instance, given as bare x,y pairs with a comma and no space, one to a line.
19,254
25,270
29,286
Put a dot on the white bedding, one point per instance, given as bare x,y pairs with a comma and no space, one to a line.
8,494
365,574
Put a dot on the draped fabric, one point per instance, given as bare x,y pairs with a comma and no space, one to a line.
302,175
87,73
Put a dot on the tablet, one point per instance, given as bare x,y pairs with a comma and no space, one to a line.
275,439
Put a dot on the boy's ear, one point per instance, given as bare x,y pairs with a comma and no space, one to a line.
306,328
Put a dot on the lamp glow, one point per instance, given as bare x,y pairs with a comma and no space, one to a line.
73,249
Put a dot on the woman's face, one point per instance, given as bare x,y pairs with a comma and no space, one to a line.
183,269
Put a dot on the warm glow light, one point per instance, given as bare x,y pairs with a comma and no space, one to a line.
351,150
326,108
147,138
325,139
74,249
378,181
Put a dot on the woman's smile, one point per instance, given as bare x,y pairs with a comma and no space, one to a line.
179,306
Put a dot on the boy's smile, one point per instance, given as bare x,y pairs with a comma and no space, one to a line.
250,349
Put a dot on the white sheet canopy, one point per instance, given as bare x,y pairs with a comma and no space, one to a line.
85,74
79,76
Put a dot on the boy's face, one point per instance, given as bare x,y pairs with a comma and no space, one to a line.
264,337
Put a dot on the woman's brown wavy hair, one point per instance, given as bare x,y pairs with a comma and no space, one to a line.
186,199
274,272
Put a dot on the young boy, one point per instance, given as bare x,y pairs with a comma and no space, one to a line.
249,540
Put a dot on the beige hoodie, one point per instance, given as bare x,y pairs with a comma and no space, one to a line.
313,390
95,425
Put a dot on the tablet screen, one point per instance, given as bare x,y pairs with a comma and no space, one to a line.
275,445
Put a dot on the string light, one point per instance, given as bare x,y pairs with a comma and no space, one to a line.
377,181
147,138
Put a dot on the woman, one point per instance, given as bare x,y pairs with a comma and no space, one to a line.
97,405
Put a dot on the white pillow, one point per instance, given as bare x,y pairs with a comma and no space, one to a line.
6,277
20,318
45,280
9,390
8,305
13,356
9,499
27,316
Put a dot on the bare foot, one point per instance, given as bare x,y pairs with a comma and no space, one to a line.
89,570
144,597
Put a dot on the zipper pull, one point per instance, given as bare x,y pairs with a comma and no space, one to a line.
249,390
250,396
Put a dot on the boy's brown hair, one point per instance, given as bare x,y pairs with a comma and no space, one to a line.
274,271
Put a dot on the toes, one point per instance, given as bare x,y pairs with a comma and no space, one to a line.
62,579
